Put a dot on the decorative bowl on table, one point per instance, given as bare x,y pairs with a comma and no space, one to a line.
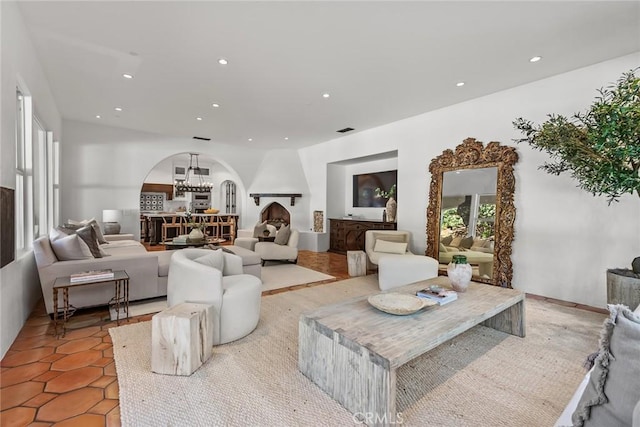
399,304
211,211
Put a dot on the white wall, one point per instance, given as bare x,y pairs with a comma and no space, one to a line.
565,238
281,172
19,284
104,167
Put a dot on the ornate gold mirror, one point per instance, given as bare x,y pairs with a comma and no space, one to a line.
471,209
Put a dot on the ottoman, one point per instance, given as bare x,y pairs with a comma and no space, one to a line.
251,262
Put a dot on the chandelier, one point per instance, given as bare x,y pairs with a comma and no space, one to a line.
193,181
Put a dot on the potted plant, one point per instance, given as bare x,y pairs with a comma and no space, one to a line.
601,147
601,150
391,202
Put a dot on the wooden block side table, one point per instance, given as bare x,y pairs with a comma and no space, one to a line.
357,263
182,338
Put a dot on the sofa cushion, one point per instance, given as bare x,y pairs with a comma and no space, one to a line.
282,236
248,257
390,247
68,247
388,237
467,242
164,260
214,259
88,235
613,388
446,240
455,242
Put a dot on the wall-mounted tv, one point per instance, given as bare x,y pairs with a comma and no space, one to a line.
364,188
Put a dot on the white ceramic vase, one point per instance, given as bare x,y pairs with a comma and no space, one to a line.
392,206
196,235
459,272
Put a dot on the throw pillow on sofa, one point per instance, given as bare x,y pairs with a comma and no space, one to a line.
88,235
466,243
282,235
390,247
613,389
99,235
68,247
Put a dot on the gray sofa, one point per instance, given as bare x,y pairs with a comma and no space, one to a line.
147,271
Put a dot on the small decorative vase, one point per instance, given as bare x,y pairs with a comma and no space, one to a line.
196,235
266,233
391,209
459,272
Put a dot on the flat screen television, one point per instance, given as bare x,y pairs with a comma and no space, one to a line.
364,188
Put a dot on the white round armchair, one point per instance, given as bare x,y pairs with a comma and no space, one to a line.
216,278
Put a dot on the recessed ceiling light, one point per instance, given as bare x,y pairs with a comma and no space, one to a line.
325,95
127,76
535,59
214,105
250,139
222,61
459,84
118,108
198,118
286,138
98,116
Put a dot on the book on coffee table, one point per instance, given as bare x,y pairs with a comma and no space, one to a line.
87,276
442,297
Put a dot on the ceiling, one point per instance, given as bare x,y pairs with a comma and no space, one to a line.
379,61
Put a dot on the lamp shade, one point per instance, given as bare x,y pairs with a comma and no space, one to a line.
111,215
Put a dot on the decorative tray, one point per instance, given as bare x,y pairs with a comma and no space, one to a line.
399,304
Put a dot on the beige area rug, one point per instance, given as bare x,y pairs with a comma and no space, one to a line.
481,378
276,276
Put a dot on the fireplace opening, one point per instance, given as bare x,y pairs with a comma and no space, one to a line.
276,215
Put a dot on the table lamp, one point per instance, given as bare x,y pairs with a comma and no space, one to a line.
110,217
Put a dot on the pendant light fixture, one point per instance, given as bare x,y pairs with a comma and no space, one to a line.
193,181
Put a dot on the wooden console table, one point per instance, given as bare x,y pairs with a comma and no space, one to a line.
352,350
348,234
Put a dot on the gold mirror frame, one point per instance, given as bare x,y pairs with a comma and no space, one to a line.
471,154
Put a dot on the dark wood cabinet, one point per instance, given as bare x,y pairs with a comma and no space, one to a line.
348,234
158,188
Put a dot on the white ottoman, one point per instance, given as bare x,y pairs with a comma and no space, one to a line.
400,270
181,338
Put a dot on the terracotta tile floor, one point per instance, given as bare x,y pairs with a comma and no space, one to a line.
71,381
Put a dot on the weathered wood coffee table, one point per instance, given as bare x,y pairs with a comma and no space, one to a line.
352,350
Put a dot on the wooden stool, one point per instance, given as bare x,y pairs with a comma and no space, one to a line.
176,224
357,263
181,338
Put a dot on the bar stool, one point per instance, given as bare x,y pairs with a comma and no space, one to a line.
171,222
227,221
211,222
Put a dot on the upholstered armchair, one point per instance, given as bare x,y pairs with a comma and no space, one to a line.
397,266
274,251
378,243
215,277
246,238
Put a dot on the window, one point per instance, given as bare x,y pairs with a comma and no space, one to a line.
229,196
37,175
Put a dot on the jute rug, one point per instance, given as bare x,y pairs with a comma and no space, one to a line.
481,378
